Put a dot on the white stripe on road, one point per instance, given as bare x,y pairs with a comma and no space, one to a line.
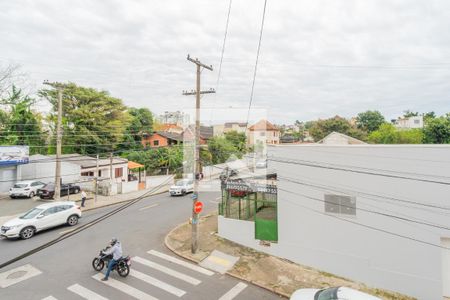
125,288
181,262
153,281
150,206
49,298
85,293
166,270
234,291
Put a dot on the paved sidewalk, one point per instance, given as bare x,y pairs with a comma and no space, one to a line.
278,275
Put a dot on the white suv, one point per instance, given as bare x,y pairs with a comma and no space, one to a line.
182,187
42,217
25,189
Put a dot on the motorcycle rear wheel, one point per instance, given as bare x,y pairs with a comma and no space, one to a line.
123,269
98,264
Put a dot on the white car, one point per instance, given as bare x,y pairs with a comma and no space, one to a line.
333,293
182,187
25,189
42,217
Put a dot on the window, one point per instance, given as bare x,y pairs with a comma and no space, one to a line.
262,133
338,204
91,173
100,173
119,172
155,143
416,121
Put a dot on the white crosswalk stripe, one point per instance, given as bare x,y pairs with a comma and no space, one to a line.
49,298
234,291
85,293
166,270
125,288
158,283
181,262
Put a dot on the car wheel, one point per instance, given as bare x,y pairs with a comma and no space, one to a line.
183,192
31,195
12,197
27,233
76,191
72,220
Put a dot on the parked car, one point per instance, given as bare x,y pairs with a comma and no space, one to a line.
42,217
333,293
25,189
48,191
261,164
182,187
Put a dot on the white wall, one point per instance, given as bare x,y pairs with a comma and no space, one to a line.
45,171
310,236
131,186
154,181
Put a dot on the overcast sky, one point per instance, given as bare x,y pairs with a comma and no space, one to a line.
318,58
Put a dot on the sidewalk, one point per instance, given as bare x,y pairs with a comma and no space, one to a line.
275,274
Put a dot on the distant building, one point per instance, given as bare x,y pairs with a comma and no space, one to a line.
172,128
221,129
161,139
206,133
336,138
409,123
263,131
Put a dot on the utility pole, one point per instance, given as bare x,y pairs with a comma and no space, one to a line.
96,180
197,165
110,172
59,87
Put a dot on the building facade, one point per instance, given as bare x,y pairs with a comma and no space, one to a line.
377,214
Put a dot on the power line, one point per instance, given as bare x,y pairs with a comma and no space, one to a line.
256,64
369,227
358,171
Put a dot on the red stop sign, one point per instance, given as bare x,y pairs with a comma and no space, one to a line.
198,206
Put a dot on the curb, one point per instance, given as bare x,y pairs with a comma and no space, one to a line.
280,294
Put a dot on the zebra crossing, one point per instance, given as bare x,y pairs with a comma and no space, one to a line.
147,286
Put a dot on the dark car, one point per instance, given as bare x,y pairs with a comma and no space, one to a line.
48,191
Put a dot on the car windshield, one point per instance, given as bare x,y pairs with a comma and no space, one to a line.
327,294
31,213
20,185
181,183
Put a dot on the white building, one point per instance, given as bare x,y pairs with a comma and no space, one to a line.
221,129
409,123
377,214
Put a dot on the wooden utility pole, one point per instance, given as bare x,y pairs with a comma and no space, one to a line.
59,87
96,179
197,165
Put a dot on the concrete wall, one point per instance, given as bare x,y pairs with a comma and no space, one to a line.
45,171
131,186
154,181
8,176
356,246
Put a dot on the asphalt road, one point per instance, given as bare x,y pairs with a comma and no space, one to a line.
141,228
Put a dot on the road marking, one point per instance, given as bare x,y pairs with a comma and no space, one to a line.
166,270
125,288
147,207
49,298
160,284
17,275
181,262
68,230
234,291
85,293
215,202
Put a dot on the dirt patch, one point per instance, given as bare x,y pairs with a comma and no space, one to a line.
279,275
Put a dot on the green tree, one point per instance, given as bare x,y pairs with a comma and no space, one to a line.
429,116
388,134
322,128
409,113
141,121
238,139
221,149
93,121
370,120
437,131
22,126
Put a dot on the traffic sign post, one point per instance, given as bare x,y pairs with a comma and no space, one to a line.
198,207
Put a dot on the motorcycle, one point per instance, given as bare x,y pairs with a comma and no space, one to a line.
122,266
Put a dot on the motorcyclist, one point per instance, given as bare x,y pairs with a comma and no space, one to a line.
116,250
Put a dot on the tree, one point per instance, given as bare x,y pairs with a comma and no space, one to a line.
408,114
22,126
388,134
93,121
238,139
429,116
141,121
370,120
221,149
437,131
322,128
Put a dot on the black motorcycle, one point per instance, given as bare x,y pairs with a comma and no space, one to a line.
122,266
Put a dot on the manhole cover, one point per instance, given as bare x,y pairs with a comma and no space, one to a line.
16,275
